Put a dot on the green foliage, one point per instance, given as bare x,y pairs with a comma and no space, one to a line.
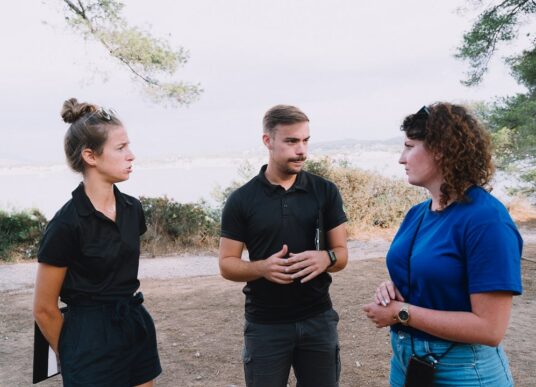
504,146
518,114
496,24
321,167
512,123
325,166
524,68
529,176
20,233
145,52
147,57
511,120
172,225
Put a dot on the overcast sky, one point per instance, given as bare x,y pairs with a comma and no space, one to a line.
355,67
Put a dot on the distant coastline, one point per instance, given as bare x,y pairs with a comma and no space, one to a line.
190,179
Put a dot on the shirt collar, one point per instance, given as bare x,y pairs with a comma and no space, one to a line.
300,184
83,205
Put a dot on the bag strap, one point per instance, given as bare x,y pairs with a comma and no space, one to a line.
436,357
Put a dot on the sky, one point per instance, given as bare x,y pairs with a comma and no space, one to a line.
355,68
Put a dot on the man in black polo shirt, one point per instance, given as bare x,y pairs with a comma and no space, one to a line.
282,216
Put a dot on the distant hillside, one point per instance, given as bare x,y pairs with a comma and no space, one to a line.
345,146
392,144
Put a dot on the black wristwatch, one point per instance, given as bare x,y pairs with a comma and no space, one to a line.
332,258
403,315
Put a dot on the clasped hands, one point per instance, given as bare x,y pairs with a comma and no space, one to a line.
387,303
305,265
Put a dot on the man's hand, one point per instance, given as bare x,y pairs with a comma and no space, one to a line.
274,268
307,264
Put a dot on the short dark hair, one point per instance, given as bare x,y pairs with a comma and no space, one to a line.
282,115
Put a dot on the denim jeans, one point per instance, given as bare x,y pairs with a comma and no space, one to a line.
310,346
465,365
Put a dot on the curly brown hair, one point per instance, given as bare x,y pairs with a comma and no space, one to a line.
460,143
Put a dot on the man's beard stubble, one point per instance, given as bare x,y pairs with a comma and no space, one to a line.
294,171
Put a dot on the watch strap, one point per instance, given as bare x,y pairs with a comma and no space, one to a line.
332,258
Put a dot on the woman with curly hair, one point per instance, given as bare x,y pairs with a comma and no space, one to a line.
454,263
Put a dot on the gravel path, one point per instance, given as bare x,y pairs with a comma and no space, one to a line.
21,276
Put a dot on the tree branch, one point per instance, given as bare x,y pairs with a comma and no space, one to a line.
75,9
142,54
488,38
127,63
81,12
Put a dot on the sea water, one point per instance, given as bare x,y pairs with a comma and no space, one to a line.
186,180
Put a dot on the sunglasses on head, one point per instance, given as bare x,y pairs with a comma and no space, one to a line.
104,113
424,112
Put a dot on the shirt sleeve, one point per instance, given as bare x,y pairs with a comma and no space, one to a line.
58,244
334,214
141,217
233,225
494,258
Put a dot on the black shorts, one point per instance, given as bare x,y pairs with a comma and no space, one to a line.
111,344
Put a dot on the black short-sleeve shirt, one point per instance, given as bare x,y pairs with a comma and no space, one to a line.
101,256
266,216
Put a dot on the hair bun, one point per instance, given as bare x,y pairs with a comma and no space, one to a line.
72,110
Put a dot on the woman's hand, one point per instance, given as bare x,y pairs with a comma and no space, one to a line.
382,316
387,303
486,324
386,292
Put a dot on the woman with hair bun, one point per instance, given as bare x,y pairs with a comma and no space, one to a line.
89,256
455,262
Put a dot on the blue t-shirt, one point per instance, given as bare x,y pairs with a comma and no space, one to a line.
467,248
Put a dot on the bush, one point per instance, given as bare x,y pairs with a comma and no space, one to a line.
321,167
20,233
370,201
246,171
173,226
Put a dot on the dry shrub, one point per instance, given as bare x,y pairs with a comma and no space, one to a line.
372,202
521,210
174,227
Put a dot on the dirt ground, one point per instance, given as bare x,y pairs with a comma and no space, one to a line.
199,323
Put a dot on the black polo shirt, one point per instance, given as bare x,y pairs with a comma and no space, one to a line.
265,216
102,256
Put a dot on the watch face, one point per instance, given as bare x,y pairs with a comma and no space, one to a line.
403,315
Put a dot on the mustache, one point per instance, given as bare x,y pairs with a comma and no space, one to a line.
301,158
